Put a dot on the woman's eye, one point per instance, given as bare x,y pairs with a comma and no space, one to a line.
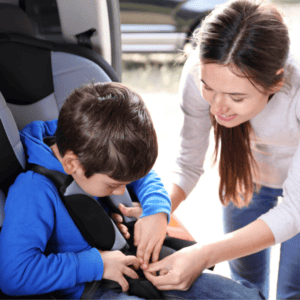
207,88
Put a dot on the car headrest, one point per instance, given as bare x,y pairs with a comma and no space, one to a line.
12,156
13,19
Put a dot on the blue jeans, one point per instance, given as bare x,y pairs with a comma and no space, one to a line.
256,268
207,286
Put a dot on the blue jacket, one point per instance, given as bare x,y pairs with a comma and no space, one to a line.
41,249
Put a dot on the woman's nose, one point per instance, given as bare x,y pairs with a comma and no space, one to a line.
218,106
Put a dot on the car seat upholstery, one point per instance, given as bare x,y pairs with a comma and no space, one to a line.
12,157
36,75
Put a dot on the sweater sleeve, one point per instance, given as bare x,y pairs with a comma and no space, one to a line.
284,219
152,195
195,130
25,266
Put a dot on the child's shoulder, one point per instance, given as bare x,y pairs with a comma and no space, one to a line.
31,186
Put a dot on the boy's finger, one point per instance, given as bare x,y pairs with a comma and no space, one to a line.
123,283
136,236
147,254
136,265
124,230
135,211
140,252
131,273
116,217
156,251
131,260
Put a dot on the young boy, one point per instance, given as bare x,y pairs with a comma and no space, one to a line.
104,138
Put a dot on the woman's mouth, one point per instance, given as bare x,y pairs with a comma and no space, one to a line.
226,118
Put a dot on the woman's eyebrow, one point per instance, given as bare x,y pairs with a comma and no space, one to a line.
232,94
204,82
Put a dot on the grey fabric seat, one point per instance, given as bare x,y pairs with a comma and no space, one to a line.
12,157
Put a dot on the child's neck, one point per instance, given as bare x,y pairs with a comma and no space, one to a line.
56,152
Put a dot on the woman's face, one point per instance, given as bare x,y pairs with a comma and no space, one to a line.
233,99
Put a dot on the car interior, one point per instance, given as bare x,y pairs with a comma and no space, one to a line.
36,75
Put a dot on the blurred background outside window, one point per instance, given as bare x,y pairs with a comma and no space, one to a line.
156,77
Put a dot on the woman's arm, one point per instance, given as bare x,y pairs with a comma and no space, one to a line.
182,268
177,195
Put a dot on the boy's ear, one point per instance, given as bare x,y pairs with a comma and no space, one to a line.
70,162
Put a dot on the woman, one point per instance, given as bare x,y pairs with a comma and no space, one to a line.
242,81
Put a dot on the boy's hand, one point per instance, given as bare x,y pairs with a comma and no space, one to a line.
134,211
149,235
116,265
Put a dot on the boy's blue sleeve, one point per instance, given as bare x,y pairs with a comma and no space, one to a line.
28,263
152,195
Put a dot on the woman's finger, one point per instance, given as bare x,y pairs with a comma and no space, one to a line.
163,272
160,265
160,280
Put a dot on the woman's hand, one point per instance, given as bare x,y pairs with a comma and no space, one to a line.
134,211
179,270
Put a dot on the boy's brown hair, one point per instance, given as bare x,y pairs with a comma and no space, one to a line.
109,129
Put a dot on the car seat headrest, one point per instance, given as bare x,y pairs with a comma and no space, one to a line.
14,20
12,156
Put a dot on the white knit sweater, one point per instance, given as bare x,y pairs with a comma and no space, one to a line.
274,145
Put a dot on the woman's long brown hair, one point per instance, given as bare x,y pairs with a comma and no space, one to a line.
237,164
252,40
